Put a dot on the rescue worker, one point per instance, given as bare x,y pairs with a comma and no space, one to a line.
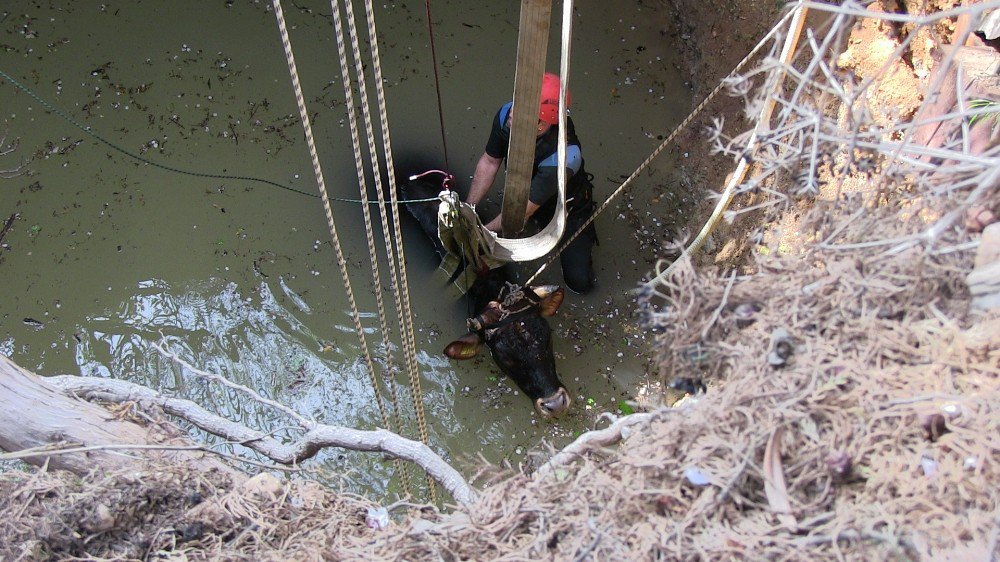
576,259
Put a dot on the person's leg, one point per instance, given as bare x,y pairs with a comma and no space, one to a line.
577,261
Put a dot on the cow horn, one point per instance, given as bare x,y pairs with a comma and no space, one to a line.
544,290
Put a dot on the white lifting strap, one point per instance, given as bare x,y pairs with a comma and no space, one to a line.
543,242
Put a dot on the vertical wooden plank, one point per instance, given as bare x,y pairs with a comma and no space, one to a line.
532,44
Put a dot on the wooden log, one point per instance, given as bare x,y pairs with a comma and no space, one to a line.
34,413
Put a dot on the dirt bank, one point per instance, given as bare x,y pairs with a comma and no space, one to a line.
716,36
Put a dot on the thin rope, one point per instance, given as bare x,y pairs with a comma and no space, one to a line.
763,119
437,82
90,132
402,293
670,138
341,262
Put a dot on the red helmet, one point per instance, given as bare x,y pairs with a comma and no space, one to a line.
548,107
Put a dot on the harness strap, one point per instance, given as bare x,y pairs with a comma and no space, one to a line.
543,242
515,295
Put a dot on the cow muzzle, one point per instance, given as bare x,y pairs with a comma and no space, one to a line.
555,405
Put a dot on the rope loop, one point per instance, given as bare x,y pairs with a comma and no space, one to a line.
447,182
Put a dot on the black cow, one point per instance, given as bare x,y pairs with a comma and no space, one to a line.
510,320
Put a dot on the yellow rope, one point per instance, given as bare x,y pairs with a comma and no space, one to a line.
317,169
402,293
670,138
795,30
392,255
389,377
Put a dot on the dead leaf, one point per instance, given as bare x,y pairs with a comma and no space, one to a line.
774,481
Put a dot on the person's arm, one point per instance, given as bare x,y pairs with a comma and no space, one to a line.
482,180
544,186
494,224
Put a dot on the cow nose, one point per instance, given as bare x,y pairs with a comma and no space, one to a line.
555,405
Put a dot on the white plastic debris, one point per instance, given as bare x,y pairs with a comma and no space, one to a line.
952,410
378,518
696,477
929,466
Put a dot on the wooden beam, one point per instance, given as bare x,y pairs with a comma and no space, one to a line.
532,44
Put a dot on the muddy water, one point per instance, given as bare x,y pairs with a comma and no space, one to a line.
110,255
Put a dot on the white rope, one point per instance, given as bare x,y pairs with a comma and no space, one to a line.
567,37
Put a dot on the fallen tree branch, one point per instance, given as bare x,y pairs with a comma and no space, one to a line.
308,424
592,439
35,414
315,438
54,449
59,449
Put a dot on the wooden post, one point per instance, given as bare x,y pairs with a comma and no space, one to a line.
532,44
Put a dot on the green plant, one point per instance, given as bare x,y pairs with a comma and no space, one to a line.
992,111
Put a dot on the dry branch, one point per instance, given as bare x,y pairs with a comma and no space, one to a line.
610,435
35,413
315,438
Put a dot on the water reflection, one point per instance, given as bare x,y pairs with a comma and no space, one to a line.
250,339
253,340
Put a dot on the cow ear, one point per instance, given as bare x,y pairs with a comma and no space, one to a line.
465,347
551,299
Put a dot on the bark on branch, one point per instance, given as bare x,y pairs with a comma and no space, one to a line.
315,438
610,435
35,414
38,411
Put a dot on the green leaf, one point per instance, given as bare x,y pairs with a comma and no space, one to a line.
625,408
984,104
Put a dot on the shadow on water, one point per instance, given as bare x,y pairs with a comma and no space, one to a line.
109,255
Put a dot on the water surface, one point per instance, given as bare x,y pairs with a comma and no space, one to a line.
109,255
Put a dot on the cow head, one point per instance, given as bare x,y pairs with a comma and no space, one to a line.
520,341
